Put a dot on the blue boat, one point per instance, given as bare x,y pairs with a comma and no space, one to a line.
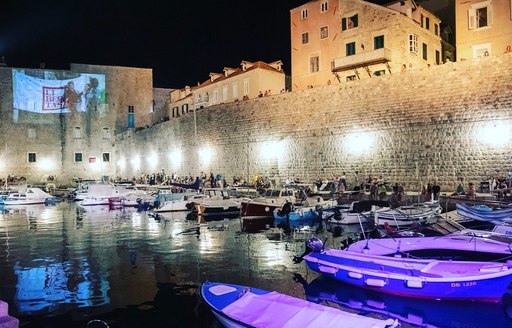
415,278
299,216
418,312
241,306
484,213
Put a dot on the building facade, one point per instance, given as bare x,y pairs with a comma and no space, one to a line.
483,28
233,84
64,123
335,41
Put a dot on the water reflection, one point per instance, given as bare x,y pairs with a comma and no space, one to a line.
64,265
418,312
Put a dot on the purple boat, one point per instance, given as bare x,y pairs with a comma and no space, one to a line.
423,278
241,306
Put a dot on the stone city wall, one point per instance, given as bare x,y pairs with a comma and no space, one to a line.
439,123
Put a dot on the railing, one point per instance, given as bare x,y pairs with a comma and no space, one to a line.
363,59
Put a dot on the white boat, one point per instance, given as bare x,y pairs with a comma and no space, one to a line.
217,202
102,193
30,195
263,207
173,202
241,306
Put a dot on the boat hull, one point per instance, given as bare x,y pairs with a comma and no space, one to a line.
240,306
374,273
252,209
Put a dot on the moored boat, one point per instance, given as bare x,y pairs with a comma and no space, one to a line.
27,196
241,306
415,278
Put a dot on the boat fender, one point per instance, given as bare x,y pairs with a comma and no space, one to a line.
326,269
414,284
375,282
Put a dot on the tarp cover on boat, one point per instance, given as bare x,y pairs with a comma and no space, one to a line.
279,310
470,212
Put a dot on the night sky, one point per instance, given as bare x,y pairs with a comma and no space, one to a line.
182,41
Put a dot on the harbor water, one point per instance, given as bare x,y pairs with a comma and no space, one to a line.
66,265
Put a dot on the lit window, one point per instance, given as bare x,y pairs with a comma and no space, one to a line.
324,32
184,109
351,78
304,13
314,64
348,23
305,38
479,15
323,7
413,43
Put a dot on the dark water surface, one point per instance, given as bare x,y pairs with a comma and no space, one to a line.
65,265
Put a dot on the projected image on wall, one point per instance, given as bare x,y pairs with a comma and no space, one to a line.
50,92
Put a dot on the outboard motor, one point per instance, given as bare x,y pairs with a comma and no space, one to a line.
313,244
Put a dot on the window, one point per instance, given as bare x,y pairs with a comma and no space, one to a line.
78,157
235,90
324,32
184,109
105,157
131,117
413,43
215,96
436,29
246,87
479,15
105,133
323,7
305,38
314,64
427,23
304,13
379,72
378,42
77,133
31,157
351,78
131,110
350,48
438,57
421,20
348,23
175,112
224,93
424,51
32,133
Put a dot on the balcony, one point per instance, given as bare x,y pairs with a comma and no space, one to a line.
363,59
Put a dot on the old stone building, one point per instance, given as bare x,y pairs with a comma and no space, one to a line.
48,130
339,41
484,28
233,84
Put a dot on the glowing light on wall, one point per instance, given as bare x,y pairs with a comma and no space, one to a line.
205,154
359,143
121,163
152,160
175,157
135,162
271,150
494,134
46,164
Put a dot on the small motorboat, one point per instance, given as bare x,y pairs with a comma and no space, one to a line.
485,213
416,278
28,196
241,306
